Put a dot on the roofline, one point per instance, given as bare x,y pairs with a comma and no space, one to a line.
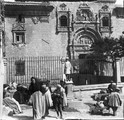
28,3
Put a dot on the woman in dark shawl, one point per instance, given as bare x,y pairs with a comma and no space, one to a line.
33,85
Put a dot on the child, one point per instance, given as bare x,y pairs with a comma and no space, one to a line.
58,100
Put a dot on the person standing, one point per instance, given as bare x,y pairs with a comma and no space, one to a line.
38,102
59,100
114,101
33,85
48,99
67,69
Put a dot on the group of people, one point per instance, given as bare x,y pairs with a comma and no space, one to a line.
109,99
40,98
43,97
39,95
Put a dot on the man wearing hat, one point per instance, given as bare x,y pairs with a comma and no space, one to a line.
67,69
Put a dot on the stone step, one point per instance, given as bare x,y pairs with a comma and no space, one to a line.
94,87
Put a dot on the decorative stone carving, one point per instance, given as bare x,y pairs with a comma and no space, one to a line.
84,13
18,40
105,19
63,16
63,7
18,27
104,9
44,19
35,20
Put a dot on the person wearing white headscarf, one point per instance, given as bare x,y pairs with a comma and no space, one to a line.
67,69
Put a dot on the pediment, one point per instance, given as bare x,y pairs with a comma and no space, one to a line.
18,27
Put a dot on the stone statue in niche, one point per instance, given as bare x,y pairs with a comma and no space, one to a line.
105,8
84,14
35,20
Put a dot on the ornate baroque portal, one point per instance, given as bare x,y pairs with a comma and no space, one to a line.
82,41
85,31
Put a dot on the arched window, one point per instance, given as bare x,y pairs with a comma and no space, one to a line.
63,21
105,21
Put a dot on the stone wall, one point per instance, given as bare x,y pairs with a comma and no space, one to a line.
41,39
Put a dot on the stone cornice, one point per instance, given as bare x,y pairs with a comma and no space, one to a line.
27,8
107,1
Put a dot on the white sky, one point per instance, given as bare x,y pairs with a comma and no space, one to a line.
118,2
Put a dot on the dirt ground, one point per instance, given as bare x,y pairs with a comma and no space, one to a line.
77,109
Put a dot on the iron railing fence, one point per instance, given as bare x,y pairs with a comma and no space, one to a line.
21,69
90,66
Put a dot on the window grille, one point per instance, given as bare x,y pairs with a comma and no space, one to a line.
20,67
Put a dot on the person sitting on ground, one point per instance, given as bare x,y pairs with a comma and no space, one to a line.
22,94
13,85
97,108
10,102
5,87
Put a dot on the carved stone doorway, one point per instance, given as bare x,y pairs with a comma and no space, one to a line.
81,44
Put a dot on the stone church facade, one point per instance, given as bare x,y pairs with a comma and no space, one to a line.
56,28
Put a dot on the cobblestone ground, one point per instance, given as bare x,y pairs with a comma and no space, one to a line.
78,109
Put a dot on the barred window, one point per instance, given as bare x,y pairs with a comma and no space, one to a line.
105,22
20,67
20,37
63,21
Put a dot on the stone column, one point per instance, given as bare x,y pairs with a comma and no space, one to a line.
1,60
118,71
69,89
5,70
1,84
